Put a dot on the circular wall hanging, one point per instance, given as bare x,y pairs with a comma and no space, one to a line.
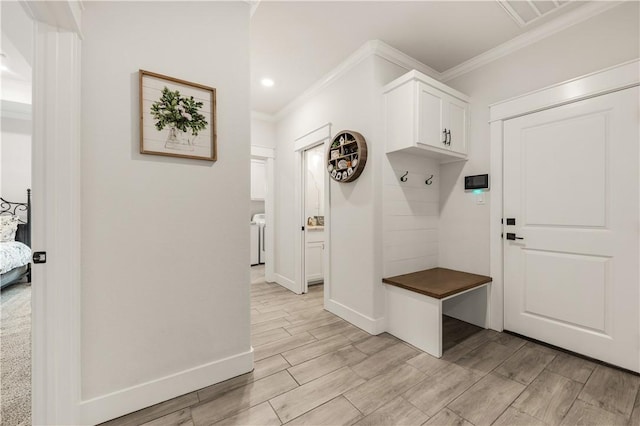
347,156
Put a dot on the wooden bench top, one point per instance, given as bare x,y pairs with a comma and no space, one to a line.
438,282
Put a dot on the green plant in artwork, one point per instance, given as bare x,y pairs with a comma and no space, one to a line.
178,113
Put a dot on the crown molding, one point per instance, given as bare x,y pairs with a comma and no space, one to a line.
369,48
395,56
352,60
530,37
401,59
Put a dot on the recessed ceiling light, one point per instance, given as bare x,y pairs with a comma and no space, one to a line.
267,82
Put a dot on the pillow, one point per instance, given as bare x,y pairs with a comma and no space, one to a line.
8,228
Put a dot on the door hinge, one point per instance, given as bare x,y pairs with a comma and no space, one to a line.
40,257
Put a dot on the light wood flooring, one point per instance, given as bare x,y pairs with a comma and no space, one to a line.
313,368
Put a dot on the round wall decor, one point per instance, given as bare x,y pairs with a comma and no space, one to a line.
347,156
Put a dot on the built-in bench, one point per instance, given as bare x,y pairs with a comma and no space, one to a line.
417,301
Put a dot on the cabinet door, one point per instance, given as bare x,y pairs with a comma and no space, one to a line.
430,118
456,118
313,261
258,180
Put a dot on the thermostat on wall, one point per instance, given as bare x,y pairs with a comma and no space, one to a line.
477,182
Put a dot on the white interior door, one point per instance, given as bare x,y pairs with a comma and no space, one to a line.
571,184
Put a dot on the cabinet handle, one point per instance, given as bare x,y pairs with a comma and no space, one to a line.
449,135
444,132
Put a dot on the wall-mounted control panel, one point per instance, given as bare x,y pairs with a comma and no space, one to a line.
477,182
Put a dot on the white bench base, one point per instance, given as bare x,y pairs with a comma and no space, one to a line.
417,318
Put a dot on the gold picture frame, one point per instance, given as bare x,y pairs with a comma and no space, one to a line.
177,117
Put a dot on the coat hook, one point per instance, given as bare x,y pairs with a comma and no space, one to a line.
404,178
428,181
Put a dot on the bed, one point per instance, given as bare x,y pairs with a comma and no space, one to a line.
15,248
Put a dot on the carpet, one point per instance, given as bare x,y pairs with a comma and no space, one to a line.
15,355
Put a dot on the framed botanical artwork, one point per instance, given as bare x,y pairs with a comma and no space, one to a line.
177,117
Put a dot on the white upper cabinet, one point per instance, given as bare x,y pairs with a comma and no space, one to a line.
426,117
258,179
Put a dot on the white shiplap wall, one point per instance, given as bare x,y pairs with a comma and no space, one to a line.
410,214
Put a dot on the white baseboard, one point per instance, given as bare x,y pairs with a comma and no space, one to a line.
370,325
286,283
125,401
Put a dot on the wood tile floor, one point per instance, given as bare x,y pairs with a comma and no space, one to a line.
313,368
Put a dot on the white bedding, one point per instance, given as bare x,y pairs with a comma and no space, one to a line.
13,254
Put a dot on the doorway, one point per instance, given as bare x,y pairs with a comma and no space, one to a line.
312,195
15,183
313,216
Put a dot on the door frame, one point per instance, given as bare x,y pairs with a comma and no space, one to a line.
56,303
608,80
321,135
269,157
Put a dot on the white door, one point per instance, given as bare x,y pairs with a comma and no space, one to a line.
571,184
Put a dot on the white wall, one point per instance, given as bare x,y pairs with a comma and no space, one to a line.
263,132
352,102
165,241
15,159
605,40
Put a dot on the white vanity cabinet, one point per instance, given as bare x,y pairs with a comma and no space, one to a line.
258,180
424,116
314,255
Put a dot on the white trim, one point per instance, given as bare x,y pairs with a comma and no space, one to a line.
116,404
262,152
417,75
401,59
56,313
599,83
285,282
395,56
610,79
496,296
370,325
269,210
61,14
371,47
310,139
558,24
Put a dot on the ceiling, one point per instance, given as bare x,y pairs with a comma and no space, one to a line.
296,43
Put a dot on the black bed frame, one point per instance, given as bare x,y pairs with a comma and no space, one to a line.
23,234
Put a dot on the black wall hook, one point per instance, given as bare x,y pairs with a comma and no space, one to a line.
404,178
428,181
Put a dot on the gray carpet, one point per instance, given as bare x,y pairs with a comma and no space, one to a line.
15,355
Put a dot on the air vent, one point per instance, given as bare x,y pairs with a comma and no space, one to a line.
526,12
